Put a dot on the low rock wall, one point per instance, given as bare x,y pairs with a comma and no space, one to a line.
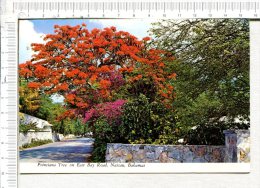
235,150
164,154
56,137
26,138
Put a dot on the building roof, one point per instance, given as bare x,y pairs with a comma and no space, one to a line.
40,123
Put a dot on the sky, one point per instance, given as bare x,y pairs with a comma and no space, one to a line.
33,31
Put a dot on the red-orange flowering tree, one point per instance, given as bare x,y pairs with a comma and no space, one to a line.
87,67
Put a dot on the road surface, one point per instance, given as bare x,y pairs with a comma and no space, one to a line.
73,150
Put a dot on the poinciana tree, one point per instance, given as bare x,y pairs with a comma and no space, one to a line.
88,67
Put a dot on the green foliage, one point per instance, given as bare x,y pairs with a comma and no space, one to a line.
70,126
48,109
212,69
35,143
80,128
99,151
144,86
211,134
145,122
104,133
29,99
42,106
51,111
142,121
25,127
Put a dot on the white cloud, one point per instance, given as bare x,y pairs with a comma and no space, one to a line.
56,98
27,36
137,27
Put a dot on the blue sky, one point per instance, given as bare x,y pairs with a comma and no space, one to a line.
33,31
46,26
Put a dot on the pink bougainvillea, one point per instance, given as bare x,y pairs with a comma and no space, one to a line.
116,80
110,110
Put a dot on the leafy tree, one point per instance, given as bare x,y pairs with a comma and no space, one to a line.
147,122
48,109
53,113
212,66
81,65
80,127
42,106
29,99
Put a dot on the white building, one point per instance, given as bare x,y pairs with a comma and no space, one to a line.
44,132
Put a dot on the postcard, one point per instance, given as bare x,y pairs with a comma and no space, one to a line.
134,95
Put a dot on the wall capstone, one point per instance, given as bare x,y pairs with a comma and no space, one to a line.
238,146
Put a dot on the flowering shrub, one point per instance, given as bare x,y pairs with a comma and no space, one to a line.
109,110
105,123
116,80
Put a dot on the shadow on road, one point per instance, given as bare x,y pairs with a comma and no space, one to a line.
75,150
81,140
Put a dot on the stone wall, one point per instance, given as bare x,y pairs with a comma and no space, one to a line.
236,149
44,132
238,146
56,137
26,138
164,154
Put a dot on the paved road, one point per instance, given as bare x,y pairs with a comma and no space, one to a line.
73,150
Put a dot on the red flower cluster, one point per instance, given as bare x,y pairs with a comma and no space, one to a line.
93,65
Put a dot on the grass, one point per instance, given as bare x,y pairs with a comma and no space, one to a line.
35,143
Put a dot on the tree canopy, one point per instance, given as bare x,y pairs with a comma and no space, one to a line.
212,85
89,67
